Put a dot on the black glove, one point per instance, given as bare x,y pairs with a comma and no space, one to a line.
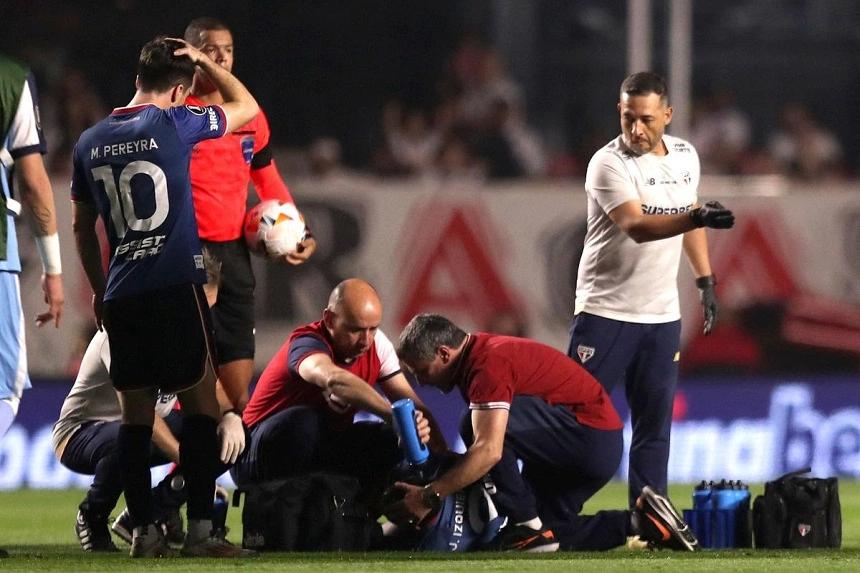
709,301
713,215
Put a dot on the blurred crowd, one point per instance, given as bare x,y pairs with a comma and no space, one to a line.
799,146
477,128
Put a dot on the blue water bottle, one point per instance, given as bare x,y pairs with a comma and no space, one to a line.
724,526
724,495
403,414
743,528
702,495
700,517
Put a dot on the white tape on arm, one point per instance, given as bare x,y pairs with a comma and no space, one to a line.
49,252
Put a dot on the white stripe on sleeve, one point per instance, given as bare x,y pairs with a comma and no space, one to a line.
490,406
388,360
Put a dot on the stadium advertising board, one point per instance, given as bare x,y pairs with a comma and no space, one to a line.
748,429
787,273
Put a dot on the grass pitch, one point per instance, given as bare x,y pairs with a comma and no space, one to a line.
36,527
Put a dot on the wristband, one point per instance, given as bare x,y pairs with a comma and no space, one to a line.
705,282
49,252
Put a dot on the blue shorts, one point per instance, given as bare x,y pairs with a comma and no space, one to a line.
13,349
644,357
635,354
159,339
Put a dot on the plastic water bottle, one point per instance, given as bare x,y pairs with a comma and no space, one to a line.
743,528
723,496
720,514
701,517
702,495
741,492
403,414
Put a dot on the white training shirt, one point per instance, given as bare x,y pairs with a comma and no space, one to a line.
92,397
618,278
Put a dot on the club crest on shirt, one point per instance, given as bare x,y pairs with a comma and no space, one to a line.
248,148
584,352
803,529
196,109
686,176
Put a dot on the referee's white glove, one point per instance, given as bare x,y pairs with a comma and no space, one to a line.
232,435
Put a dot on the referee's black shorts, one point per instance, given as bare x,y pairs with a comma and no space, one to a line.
159,339
233,313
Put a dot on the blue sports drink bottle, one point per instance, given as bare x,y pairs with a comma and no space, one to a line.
403,414
702,496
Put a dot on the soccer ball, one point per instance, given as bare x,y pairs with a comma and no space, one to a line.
274,228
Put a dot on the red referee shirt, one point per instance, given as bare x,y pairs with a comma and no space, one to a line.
220,173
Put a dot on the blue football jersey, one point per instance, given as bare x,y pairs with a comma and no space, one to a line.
133,166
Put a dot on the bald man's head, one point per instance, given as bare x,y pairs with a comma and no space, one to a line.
351,293
352,317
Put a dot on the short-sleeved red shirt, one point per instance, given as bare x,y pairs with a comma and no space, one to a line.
220,173
493,369
280,385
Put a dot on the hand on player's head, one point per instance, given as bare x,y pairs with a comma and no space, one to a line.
188,50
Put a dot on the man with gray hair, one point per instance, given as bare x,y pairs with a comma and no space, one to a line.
530,404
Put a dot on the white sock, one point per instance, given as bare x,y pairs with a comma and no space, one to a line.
535,523
198,529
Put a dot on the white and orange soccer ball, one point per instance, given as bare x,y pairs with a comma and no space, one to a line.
274,228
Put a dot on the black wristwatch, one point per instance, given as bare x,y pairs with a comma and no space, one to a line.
431,498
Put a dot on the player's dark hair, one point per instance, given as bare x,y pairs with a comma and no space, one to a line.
199,25
424,334
158,69
644,83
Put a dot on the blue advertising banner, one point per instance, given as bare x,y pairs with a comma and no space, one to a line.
748,429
